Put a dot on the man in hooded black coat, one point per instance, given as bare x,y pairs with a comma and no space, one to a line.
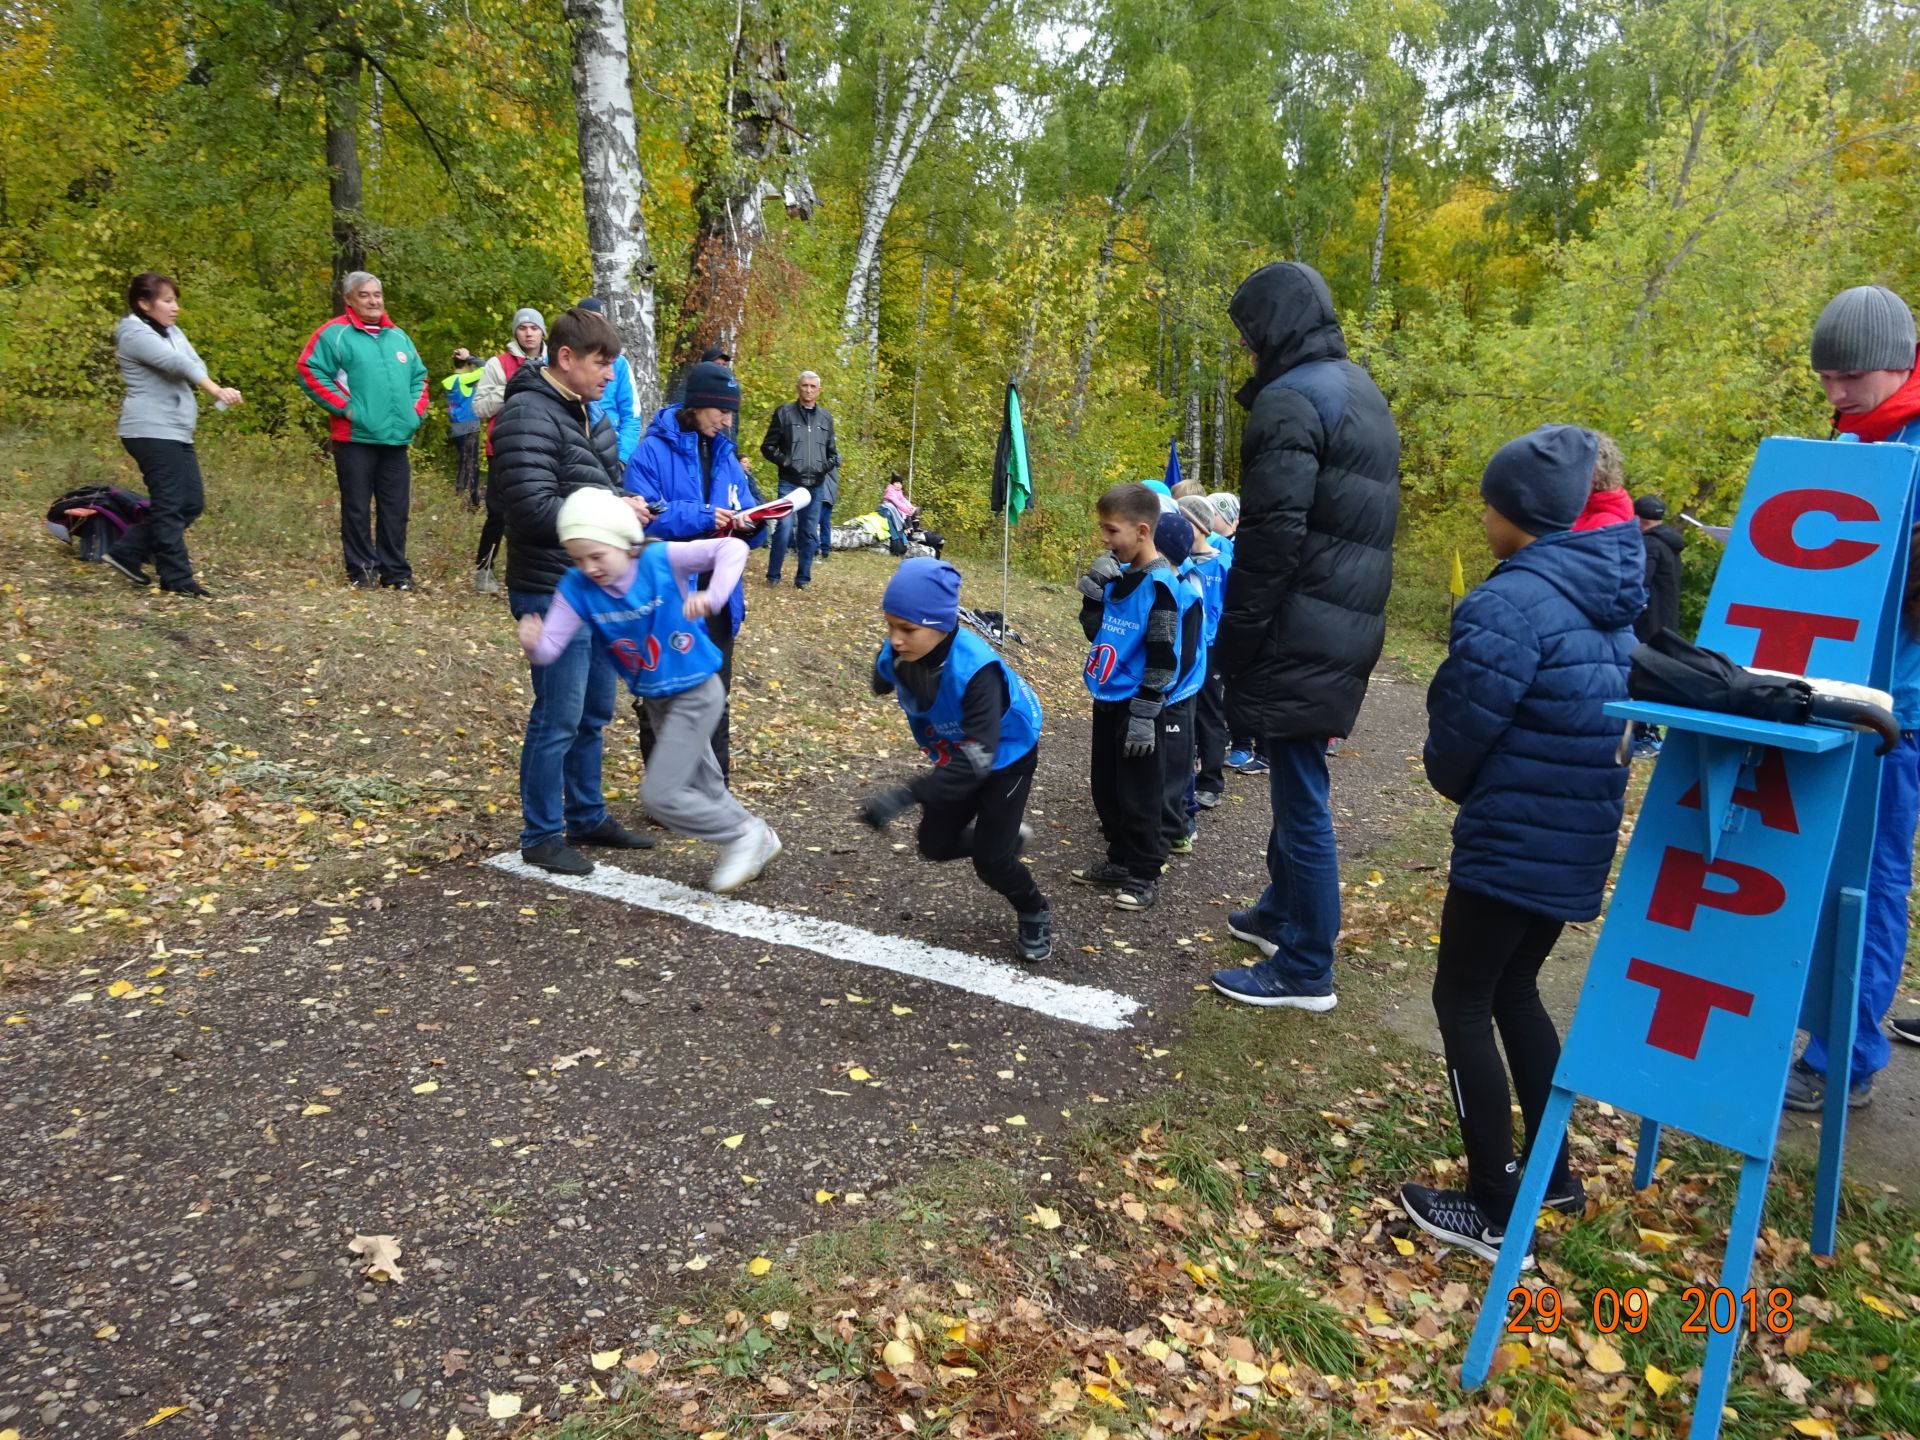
1306,602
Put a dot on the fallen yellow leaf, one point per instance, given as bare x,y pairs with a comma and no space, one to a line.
159,1415
1656,1239
759,1265
502,1407
605,1359
426,1087
858,1072
1659,1381
1874,1302
1016,1119
732,1142
698,1262
1045,1216
1403,1245
318,1110
1811,1425
119,988
1604,1358
821,1197
901,1009
897,1354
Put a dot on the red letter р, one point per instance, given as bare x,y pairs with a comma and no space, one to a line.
1787,636
1770,796
1680,889
1773,522
1680,1014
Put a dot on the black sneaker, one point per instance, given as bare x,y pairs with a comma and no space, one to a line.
1036,936
1573,1203
132,572
1206,799
1454,1217
1906,1028
1807,1090
1137,895
557,858
192,587
612,835
1103,872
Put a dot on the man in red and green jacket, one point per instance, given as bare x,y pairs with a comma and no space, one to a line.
365,372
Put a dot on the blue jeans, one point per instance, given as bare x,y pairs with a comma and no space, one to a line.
822,528
783,533
1300,910
1889,880
560,758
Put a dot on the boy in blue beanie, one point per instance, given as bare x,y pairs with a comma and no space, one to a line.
979,723
1131,610
1517,735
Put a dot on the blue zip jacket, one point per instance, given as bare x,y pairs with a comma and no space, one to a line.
617,405
1515,729
664,470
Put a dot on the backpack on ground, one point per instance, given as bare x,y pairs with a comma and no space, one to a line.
92,517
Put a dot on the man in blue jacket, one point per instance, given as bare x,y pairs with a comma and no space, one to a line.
618,406
687,470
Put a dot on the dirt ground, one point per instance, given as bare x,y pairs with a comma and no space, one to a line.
564,1109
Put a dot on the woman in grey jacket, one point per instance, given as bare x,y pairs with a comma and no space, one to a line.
157,419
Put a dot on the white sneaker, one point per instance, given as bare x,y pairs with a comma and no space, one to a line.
743,859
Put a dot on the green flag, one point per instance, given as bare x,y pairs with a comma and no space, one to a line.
1012,480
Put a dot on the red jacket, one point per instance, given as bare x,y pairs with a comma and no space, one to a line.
1605,507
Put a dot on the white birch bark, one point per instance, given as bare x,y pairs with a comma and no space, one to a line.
1220,419
612,186
897,143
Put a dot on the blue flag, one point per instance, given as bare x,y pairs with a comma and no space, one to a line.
1173,462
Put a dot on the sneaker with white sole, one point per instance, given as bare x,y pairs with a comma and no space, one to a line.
1102,872
1454,1217
742,859
1906,1028
1240,925
1250,987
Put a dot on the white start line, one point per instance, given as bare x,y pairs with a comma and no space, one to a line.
1076,1004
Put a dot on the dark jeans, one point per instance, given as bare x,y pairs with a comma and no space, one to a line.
822,529
466,473
994,810
720,631
376,489
1300,909
1176,768
1210,732
1490,958
1128,795
171,473
492,532
560,757
783,536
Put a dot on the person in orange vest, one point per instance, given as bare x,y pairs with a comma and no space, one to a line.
529,343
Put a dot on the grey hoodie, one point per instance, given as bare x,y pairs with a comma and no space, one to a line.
160,372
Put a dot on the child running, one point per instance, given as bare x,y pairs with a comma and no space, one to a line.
979,723
1131,612
1517,735
636,597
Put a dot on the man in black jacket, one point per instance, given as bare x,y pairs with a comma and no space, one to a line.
1305,610
800,442
546,444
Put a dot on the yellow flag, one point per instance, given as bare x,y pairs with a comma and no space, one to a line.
1457,586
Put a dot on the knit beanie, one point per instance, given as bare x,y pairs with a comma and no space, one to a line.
591,513
1200,512
1227,504
924,591
527,315
1173,536
1159,487
1541,481
712,385
1865,328
1650,507
590,302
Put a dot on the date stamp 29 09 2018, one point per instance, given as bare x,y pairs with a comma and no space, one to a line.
1539,1312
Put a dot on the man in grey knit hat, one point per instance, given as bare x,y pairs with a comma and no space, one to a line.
1863,351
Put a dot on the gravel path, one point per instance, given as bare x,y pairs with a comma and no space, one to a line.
538,1094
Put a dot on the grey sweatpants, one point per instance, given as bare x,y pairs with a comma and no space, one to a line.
684,789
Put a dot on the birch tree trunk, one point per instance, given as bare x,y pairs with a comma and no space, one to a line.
342,81
1220,419
1380,226
612,186
731,199
898,138
1193,405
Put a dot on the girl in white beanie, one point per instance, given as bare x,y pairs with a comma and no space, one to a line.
640,604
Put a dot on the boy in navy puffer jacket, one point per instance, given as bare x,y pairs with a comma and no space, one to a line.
1517,735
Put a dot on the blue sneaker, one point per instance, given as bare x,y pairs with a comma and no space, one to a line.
1256,765
1250,988
1241,925
1237,757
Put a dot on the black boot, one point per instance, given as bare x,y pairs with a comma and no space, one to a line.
1036,935
557,858
613,835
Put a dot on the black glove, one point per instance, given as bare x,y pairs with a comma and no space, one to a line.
1101,574
1141,732
883,809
